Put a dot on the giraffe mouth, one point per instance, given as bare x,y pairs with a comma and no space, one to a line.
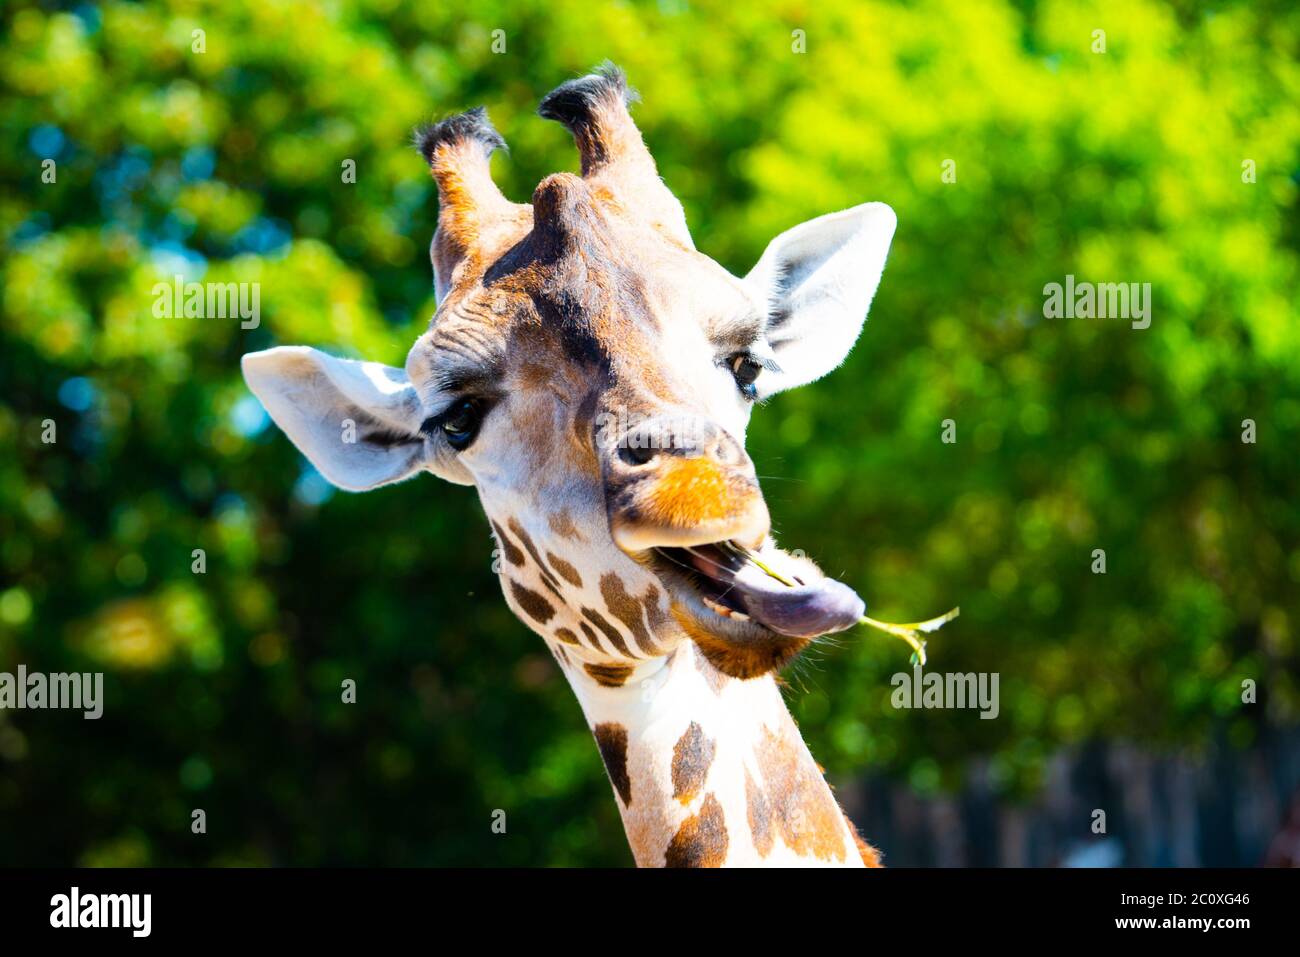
732,583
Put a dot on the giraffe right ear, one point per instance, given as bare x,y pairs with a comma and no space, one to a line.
357,422
819,279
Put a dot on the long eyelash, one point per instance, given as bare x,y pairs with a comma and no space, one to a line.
433,423
767,362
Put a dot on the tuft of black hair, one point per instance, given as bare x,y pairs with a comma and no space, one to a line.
470,125
571,103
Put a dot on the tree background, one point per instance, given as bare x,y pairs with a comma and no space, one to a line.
223,689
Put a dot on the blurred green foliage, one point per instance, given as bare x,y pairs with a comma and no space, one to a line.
223,688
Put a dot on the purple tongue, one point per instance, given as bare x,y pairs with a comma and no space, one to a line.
804,611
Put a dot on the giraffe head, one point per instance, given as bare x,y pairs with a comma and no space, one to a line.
592,375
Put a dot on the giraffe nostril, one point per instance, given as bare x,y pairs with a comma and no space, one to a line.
682,437
636,455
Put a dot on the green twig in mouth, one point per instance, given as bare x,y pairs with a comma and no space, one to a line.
910,632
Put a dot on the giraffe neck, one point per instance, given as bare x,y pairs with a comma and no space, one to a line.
711,771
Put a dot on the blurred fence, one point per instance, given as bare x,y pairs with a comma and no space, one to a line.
1218,808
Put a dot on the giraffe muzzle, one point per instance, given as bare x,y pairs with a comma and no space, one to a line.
682,495
680,482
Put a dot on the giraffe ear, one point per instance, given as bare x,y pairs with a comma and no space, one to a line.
357,422
818,279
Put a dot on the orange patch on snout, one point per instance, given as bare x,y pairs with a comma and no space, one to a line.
692,491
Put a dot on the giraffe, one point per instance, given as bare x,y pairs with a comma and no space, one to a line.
592,375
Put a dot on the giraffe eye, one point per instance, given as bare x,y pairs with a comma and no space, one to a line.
745,369
459,423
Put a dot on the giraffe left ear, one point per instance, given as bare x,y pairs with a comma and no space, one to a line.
819,279
357,422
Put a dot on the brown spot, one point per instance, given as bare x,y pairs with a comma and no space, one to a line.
611,676
803,811
548,577
560,656
566,636
615,639
534,605
611,739
590,635
567,571
627,610
508,548
701,841
561,523
692,757
759,812
655,615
